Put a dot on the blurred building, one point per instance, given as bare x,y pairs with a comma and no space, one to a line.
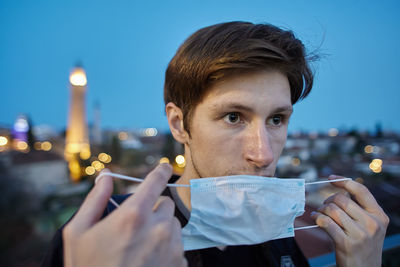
77,139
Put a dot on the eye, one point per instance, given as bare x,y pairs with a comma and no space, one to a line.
232,118
276,120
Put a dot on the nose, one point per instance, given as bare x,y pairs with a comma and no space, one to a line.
258,151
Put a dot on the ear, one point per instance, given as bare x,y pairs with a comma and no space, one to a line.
175,121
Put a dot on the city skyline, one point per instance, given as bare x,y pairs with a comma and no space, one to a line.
125,49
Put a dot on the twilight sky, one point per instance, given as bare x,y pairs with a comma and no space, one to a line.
125,47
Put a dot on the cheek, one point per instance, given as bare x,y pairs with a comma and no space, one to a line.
278,141
218,145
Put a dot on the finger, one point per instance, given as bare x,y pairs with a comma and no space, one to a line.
164,210
184,262
149,190
159,201
341,218
176,243
326,223
360,193
177,233
94,205
350,207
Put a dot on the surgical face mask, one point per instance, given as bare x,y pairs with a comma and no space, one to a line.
240,209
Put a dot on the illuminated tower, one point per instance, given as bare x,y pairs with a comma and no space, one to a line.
77,139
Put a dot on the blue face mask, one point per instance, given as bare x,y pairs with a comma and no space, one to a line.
240,209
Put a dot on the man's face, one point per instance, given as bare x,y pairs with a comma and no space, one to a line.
240,127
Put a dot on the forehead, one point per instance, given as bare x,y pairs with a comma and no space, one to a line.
262,90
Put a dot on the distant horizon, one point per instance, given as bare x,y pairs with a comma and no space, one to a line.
372,129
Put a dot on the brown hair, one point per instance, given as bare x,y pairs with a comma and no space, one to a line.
215,52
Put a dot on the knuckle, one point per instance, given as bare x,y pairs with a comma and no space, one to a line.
162,231
385,220
362,189
373,226
363,236
132,216
323,221
341,199
348,245
333,209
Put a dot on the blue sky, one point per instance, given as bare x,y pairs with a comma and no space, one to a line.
125,47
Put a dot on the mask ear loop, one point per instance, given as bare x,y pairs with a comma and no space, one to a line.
138,180
319,182
128,178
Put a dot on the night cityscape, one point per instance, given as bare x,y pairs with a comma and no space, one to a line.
43,186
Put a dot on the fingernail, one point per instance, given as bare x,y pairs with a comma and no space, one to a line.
165,165
333,176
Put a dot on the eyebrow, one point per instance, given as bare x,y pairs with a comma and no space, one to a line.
237,106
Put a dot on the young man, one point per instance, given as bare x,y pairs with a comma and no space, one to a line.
229,92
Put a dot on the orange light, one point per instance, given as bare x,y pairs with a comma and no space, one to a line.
295,162
90,170
37,145
104,157
46,146
21,145
164,160
368,149
85,153
97,165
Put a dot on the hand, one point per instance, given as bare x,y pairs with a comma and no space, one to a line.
357,225
141,232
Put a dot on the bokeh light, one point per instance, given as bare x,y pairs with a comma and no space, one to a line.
78,77
376,165
180,160
368,149
37,145
21,145
90,170
123,136
85,153
3,140
295,162
46,146
333,132
97,165
149,132
164,160
104,157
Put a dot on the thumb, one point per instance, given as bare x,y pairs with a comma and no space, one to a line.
94,205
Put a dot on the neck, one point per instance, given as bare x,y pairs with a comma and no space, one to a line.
184,192
189,173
